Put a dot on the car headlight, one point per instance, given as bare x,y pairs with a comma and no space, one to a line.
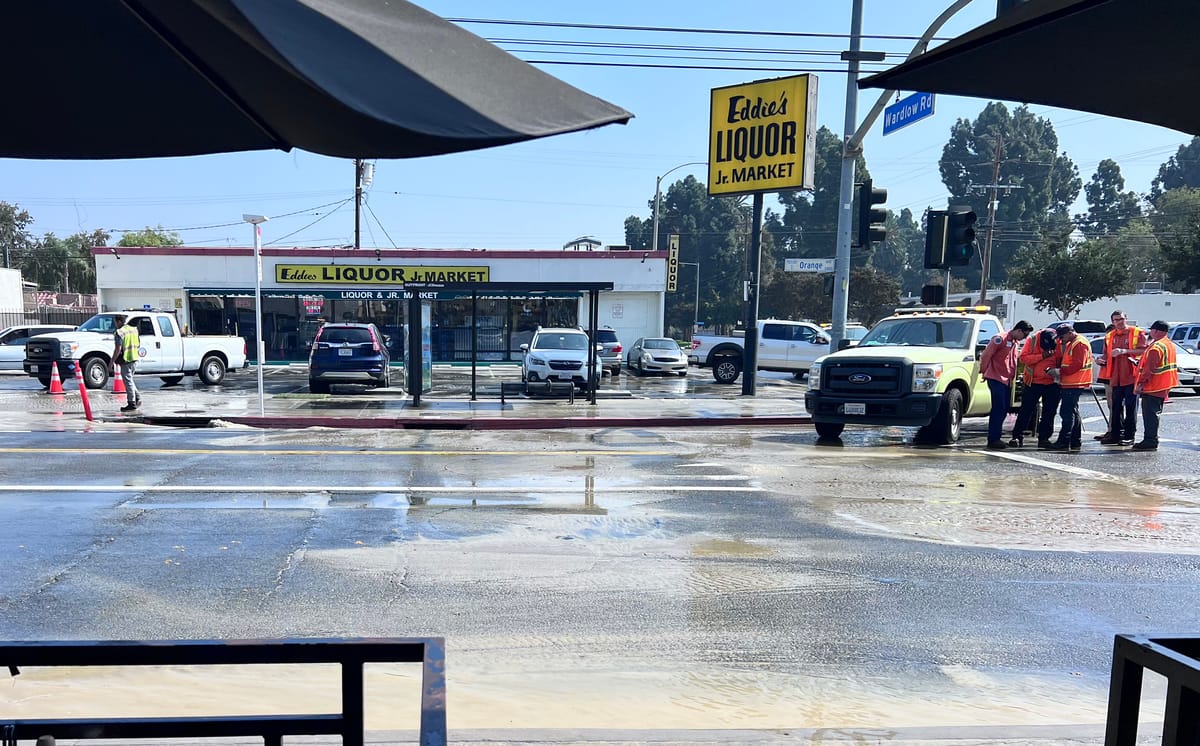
925,377
534,360
814,376
66,350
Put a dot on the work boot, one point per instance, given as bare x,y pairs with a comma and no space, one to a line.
1144,446
129,408
1057,446
1044,444
1110,440
996,445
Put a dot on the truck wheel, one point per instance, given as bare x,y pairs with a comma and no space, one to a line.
95,372
829,429
726,369
212,370
44,380
946,426
318,387
171,380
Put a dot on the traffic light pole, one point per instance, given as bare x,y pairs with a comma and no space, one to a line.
841,267
986,262
853,146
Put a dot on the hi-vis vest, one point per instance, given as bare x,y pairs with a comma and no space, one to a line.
1165,377
130,342
1137,338
1081,378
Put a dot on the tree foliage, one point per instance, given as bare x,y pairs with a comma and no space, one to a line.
1045,182
1110,207
873,294
150,237
1179,171
1061,276
1176,224
16,240
714,232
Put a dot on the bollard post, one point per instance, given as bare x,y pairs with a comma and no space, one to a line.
83,394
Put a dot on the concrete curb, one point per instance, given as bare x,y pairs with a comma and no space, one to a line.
473,423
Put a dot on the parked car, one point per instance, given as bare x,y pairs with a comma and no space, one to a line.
348,353
657,355
558,354
13,339
1187,335
1187,364
610,354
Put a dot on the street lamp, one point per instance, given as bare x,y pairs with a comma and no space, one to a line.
696,309
658,198
256,221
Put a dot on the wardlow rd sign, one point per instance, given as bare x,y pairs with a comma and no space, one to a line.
762,136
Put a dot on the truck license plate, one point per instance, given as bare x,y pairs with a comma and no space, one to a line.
855,408
33,369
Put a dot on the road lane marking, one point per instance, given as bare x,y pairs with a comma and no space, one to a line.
319,452
360,489
1078,471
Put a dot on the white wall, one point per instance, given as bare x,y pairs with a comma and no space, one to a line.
11,300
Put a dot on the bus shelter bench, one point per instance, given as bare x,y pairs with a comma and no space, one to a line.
559,389
352,654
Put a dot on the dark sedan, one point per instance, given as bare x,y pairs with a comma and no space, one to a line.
348,353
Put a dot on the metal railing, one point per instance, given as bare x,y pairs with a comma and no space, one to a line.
351,653
1176,657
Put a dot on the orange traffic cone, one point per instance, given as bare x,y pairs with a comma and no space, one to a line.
118,381
55,381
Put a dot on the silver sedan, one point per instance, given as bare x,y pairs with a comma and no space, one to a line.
657,355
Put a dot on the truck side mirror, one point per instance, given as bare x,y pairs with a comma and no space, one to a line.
843,344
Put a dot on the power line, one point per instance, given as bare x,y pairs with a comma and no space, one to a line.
684,30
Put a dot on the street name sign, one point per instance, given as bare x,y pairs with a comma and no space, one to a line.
907,110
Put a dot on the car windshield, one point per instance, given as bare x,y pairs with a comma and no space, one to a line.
103,324
855,332
660,344
560,342
924,332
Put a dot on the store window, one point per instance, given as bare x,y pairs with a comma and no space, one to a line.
527,314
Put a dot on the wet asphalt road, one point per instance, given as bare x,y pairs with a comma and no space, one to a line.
630,577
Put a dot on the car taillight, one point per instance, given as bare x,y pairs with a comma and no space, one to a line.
695,343
375,342
617,348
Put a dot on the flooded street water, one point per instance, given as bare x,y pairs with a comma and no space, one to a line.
625,578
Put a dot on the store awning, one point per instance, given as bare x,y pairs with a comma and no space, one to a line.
1123,58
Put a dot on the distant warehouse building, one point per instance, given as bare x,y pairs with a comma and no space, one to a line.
511,292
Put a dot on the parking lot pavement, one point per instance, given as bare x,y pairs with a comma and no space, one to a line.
286,402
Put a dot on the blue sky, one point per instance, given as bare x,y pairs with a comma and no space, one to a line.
545,193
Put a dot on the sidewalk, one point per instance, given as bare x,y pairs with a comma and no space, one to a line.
287,405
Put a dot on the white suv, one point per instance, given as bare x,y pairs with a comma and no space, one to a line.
558,355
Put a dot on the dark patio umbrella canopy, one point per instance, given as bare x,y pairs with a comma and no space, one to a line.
351,78
1135,59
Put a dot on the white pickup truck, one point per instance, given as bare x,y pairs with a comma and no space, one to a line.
782,345
165,351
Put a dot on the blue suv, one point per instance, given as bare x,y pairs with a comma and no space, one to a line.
348,353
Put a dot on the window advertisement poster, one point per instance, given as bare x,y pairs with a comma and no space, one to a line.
426,347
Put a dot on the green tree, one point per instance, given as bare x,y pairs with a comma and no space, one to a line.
1138,244
1062,276
903,254
1110,207
151,237
66,264
1176,224
1045,182
1180,170
714,232
873,294
16,241
808,225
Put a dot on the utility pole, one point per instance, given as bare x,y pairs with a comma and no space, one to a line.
853,146
987,245
358,191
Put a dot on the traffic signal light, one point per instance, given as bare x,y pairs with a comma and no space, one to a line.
960,236
872,221
935,240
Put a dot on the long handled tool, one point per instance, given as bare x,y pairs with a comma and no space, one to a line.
1101,406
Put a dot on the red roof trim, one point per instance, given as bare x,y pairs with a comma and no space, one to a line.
368,255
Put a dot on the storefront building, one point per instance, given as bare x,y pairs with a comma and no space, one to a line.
213,292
